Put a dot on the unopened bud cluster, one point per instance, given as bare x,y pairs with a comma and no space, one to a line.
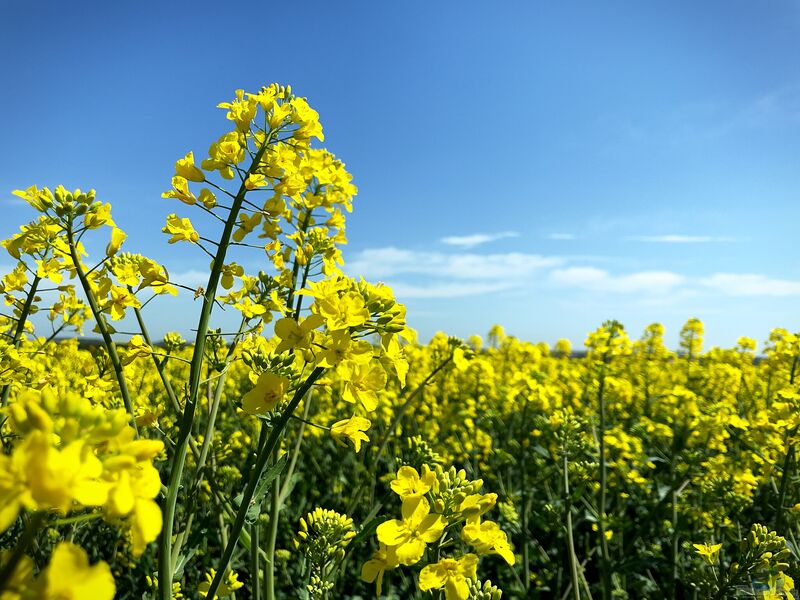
763,552
453,488
418,452
483,591
324,534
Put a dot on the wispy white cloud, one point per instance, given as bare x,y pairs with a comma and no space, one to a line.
750,284
390,262
476,239
562,236
675,238
449,290
654,283
191,278
422,274
600,280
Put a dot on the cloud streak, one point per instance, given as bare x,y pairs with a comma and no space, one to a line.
675,238
476,239
390,262
600,280
750,284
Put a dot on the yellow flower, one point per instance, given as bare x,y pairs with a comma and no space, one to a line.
69,577
180,229
352,428
98,217
16,280
229,585
57,478
293,334
228,273
117,238
250,309
488,538
342,312
384,559
361,382
255,180
340,346
241,110
180,190
266,395
49,268
409,535
409,485
708,551
119,301
138,347
207,198
475,505
450,574
186,168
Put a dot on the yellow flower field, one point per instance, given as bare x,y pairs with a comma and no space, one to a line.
322,451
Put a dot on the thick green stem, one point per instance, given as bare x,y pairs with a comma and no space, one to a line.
605,569
255,567
272,536
179,456
20,328
674,521
287,479
25,540
788,463
788,468
523,465
100,319
255,475
208,438
573,558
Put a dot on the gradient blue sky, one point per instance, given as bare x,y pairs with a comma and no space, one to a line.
545,166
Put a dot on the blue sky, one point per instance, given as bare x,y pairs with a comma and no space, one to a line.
545,166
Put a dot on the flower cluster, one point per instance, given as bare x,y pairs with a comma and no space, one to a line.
433,505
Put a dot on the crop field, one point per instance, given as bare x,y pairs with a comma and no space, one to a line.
321,450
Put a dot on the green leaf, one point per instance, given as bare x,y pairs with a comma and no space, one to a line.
254,510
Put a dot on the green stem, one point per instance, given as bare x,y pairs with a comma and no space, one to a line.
274,516
165,571
605,561
523,461
304,221
573,558
788,468
208,438
255,568
7,569
674,521
20,328
160,365
287,479
255,475
788,463
100,319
